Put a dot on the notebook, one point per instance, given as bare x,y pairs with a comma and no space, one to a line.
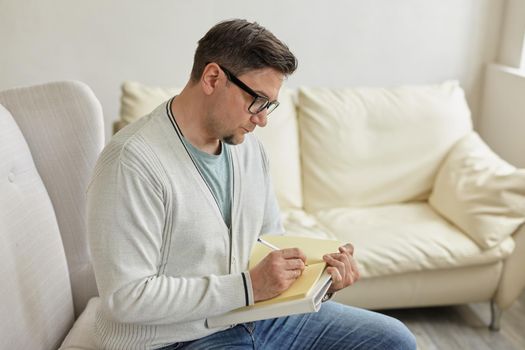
305,295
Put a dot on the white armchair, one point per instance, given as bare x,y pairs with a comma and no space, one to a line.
50,138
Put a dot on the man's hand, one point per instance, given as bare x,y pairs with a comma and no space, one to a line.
276,273
342,267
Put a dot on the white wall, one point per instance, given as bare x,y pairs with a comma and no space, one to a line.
502,113
503,119
513,34
339,42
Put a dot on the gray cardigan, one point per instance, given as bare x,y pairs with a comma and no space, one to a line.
164,259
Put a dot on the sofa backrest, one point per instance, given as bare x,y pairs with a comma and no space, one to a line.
63,126
373,146
348,147
280,138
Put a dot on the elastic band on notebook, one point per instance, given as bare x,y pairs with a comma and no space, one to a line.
245,289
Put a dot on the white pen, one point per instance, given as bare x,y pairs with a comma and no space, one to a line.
269,245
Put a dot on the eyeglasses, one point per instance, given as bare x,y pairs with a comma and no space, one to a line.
259,102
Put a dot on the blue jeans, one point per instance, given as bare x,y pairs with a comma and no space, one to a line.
335,326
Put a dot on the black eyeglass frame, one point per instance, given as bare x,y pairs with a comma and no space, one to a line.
269,105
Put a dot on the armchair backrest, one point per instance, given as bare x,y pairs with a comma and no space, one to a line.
50,138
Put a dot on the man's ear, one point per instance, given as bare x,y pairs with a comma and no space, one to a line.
210,78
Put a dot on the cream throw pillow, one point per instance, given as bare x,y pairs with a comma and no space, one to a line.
480,192
137,100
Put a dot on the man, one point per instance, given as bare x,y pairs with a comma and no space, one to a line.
177,201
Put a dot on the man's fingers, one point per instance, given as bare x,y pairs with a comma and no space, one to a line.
348,248
355,269
343,263
293,253
342,267
337,279
342,257
293,274
294,264
335,259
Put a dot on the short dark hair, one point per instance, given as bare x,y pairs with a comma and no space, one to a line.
241,46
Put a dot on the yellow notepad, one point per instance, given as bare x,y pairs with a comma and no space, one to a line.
303,296
314,249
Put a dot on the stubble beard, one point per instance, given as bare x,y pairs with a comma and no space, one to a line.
232,140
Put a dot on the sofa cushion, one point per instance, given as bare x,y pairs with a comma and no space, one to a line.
372,146
299,223
480,192
280,136
37,305
400,238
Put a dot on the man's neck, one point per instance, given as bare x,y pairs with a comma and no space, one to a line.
190,112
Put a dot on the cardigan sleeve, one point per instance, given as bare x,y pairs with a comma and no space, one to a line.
125,217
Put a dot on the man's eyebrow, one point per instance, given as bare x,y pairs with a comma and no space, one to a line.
262,93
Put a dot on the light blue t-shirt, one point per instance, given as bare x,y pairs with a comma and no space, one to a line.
216,170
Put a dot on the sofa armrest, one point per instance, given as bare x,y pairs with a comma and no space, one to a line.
479,192
513,279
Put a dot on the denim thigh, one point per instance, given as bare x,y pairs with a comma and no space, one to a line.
334,327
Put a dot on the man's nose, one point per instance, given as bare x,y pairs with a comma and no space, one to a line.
260,119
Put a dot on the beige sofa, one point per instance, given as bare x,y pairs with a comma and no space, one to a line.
436,217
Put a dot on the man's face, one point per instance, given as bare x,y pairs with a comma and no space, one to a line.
233,120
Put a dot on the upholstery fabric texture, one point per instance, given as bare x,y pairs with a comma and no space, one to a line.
63,126
480,192
37,304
